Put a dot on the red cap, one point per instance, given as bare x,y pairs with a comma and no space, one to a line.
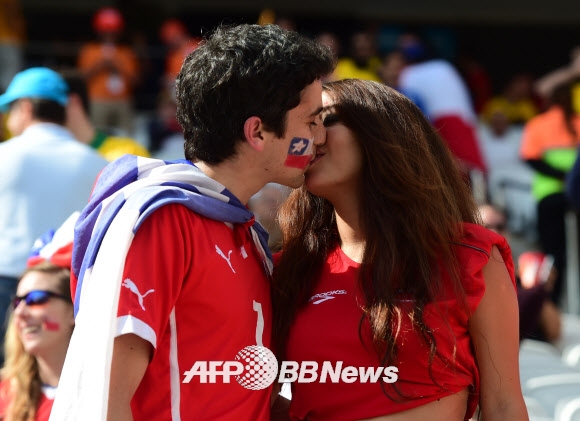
108,19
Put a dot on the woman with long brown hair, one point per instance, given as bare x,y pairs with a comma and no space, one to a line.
37,339
385,264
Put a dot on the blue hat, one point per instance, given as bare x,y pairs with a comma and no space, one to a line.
36,82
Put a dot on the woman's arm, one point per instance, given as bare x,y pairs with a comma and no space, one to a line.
494,328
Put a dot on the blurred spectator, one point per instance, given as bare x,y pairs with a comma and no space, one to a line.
509,179
164,126
516,102
330,39
391,68
546,84
445,98
494,219
180,43
150,65
285,22
540,319
549,146
12,35
265,206
361,61
269,17
266,17
477,79
40,328
500,141
111,70
572,187
37,338
390,72
79,123
45,173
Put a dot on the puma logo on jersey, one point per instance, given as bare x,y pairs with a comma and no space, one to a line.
223,256
127,283
325,296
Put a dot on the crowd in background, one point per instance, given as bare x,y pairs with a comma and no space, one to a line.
496,132
517,144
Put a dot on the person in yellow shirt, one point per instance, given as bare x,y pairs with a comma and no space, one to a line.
516,102
79,123
362,62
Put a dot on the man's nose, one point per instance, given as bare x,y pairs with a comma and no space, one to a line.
320,135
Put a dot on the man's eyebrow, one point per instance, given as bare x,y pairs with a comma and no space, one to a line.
316,112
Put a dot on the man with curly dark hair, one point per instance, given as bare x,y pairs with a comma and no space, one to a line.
174,248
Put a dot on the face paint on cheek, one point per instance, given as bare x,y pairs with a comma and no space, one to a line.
299,153
52,326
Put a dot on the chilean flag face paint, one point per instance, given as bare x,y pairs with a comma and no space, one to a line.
299,153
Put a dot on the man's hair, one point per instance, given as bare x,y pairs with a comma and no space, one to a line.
77,84
240,72
48,111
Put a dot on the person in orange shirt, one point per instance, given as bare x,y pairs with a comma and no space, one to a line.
180,43
550,146
111,71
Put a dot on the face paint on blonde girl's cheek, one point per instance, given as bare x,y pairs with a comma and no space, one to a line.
299,153
52,326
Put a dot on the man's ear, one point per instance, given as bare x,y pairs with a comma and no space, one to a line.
26,105
26,110
254,133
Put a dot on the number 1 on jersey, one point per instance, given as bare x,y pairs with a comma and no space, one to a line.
259,323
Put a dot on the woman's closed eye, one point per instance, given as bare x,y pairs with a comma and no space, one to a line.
330,119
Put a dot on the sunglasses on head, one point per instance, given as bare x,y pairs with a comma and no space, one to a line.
37,297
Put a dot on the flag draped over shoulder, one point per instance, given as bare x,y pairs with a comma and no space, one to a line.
126,193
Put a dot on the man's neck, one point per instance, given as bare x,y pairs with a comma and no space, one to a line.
237,177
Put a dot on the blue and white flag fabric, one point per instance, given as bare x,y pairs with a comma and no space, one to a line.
55,246
127,191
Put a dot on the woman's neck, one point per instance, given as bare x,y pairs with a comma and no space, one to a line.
352,241
50,367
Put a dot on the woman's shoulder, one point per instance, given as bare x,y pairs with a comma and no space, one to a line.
478,240
474,249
